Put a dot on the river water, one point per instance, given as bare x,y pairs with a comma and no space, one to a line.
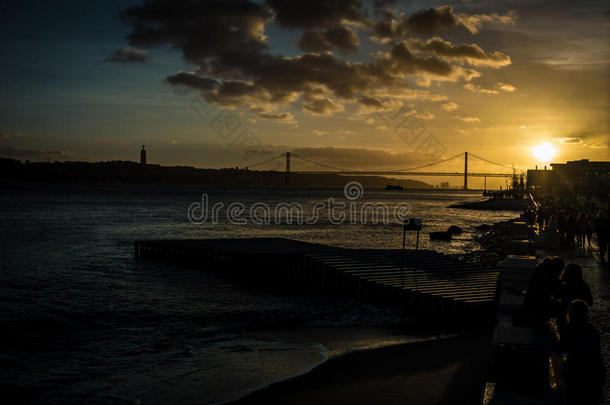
83,321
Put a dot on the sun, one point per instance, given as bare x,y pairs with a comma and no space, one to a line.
544,152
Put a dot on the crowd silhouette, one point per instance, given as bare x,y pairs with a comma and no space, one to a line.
575,222
559,292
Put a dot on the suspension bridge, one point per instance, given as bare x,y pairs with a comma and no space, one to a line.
412,171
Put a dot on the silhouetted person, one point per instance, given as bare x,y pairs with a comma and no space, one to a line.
553,224
536,295
573,287
540,217
585,370
542,288
601,230
590,229
563,228
581,228
555,270
572,229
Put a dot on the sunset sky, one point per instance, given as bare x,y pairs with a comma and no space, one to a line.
325,79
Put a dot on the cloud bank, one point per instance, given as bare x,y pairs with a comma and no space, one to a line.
236,68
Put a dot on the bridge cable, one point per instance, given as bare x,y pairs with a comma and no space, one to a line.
488,161
266,161
401,170
320,164
429,164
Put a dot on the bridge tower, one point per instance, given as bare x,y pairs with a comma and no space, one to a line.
287,168
465,170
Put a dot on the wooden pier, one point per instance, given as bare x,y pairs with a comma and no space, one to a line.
424,282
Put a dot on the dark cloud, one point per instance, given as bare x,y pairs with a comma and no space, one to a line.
370,104
192,80
281,79
382,4
274,80
236,93
432,21
340,37
371,101
405,62
285,77
400,61
127,55
321,106
226,40
315,13
474,22
200,29
314,41
471,53
284,116
435,21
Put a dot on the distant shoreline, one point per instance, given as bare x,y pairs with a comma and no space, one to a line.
134,173
8,182
508,204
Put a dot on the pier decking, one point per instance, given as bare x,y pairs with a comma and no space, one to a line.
424,281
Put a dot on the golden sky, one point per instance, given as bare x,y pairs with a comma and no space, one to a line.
353,84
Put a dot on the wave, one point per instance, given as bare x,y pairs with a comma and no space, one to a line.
280,345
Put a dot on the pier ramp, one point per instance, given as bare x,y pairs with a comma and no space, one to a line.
422,282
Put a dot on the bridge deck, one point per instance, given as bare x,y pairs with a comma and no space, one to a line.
423,282
407,173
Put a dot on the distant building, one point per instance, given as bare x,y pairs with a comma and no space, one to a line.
539,179
445,184
574,177
143,156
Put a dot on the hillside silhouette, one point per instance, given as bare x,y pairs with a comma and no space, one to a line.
132,172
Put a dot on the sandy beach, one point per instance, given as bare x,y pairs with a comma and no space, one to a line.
442,371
